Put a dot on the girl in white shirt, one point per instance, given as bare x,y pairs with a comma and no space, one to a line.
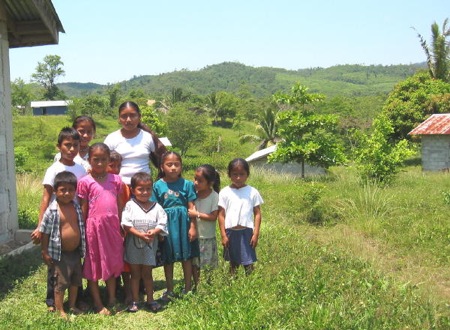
239,217
207,187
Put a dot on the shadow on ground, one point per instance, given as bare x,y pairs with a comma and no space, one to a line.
13,269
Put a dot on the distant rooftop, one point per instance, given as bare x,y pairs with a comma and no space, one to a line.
41,104
436,124
261,153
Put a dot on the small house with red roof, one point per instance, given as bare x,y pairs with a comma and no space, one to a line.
435,136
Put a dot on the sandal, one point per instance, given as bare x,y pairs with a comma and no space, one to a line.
153,306
167,296
133,307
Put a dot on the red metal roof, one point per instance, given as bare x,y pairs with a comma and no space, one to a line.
437,124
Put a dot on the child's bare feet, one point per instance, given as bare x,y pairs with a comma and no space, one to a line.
103,311
75,311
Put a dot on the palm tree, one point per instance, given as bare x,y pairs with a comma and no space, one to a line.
266,130
438,55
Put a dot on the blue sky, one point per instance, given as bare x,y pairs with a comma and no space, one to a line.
111,41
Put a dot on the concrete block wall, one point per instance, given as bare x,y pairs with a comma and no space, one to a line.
435,152
8,195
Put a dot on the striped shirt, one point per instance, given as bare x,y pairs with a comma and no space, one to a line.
50,225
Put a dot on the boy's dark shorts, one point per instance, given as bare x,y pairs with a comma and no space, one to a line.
67,271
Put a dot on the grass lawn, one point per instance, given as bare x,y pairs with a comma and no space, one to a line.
357,257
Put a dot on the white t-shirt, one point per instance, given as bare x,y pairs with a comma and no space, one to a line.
206,228
58,167
238,205
134,216
135,152
78,159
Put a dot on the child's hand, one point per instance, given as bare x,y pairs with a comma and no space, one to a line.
151,235
254,241
36,236
225,242
47,259
192,213
192,234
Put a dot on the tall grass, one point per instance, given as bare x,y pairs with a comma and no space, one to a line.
29,192
344,275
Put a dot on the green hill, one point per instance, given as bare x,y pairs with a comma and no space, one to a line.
343,80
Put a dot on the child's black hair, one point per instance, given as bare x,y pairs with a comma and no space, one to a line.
81,119
99,145
140,177
68,133
161,173
65,177
239,162
211,175
114,156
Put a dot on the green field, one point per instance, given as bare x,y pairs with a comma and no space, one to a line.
374,259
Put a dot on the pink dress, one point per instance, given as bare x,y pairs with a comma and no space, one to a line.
104,242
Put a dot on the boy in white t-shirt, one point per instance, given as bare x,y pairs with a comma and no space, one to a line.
68,145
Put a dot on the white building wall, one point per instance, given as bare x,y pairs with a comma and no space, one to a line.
435,152
8,195
288,168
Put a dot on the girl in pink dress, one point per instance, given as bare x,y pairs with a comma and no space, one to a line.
101,205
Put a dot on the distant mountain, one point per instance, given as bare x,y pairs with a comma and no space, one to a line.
346,80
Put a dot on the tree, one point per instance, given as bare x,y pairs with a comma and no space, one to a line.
46,74
299,96
438,55
306,137
185,127
221,105
113,92
378,157
413,100
266,130
176,95
21,96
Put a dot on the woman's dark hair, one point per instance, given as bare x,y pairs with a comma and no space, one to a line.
161,173
211,175
99,145
81,119
239,162
65,177
66,133
155,157
140,177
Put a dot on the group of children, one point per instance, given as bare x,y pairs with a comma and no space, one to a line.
126,230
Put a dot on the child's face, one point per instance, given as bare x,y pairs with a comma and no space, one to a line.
129,118
99,160
86,132
143,191
171,167
65,193
114,166
238,176
200,183
69,150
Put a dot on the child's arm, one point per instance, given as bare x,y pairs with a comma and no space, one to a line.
192,234
44,249
257,219
204,216
84,208
36,235
221,218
